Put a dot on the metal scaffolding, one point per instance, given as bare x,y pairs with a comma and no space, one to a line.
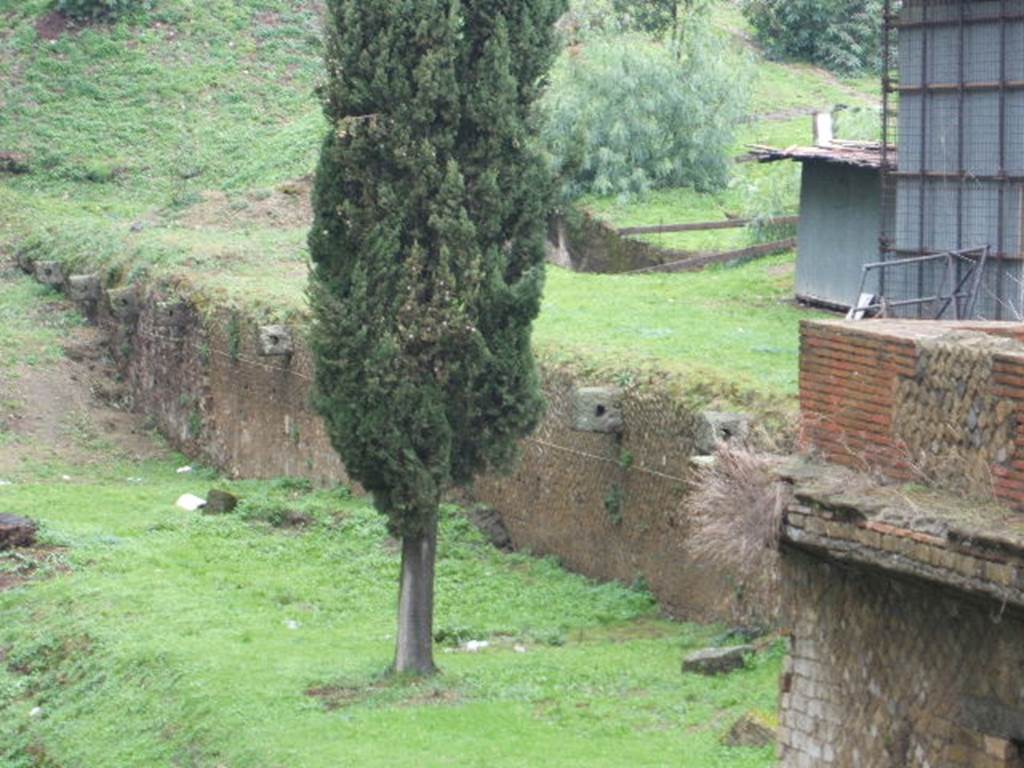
953,148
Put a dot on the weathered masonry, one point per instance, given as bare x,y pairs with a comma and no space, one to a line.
927,402
906,601
908,631
602,484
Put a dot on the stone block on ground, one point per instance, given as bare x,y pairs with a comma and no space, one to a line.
124,303
84,288
597,409
220,502
276,341
716,427
748,731
16,532
14,163
190,502
49,273
717,661
489,522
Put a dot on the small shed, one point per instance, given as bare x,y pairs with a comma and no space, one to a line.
840,217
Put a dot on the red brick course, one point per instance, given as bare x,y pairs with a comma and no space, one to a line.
849,374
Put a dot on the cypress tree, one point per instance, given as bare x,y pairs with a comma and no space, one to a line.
428,244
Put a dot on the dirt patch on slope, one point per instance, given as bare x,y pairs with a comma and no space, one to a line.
70,412
53,25
287,206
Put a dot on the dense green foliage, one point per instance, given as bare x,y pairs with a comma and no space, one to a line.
428,241
88,10
658,16
626,115
843,35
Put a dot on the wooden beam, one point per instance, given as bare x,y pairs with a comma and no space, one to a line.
705,226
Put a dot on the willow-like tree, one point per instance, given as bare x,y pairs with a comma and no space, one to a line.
428,246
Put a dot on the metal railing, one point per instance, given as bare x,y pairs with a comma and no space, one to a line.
958,289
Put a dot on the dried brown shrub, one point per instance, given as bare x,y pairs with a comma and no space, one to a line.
738,504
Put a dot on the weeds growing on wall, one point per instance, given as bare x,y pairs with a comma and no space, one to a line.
738,505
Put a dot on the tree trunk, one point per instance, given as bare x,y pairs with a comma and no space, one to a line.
414,653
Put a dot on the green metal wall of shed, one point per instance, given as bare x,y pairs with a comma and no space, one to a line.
840,212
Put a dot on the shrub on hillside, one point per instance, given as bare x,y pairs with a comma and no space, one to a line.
91,10
843,35
657,16
625,115
586,18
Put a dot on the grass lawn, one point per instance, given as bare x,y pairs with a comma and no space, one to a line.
730,326
138,634
155,637
148,636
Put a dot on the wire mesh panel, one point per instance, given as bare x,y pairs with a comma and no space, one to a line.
953,156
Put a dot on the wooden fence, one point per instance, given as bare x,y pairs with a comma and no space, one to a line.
695,261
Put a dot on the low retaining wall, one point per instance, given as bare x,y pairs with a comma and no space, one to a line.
602,485
583,243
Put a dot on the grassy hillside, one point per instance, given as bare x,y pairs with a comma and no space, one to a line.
170,144
174,145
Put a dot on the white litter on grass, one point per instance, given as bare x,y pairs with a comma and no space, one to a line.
135,480
5,482
476,645
520,649
36,712
183,470
190,503
292,624
66,478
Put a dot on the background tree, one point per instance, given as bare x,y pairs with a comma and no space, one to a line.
428,250
657,16
843,35
626,114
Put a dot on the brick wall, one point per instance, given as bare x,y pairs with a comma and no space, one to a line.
932,402
892,674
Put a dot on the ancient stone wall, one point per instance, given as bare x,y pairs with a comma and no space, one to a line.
885,673
603,484
938,403
906,617
614,505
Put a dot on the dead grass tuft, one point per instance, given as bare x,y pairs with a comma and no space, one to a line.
739,503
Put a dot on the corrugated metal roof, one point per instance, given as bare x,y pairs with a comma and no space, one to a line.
859,154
